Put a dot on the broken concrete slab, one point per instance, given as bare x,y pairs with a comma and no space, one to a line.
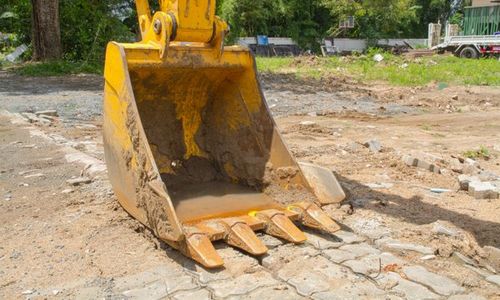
323,182
494,279
48,112
373,145
483,190
79,181
414,161
464,180
438,283
392,244
493,255
440,228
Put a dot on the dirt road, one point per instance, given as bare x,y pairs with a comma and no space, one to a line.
400,240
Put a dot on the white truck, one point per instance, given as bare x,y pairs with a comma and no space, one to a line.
472,46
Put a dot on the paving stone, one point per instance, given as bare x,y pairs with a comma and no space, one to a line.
482,190
242,284
153,290
154,282
388,243
353,290
307,283
323,242
371,228
280,292
373,263
338,256
494,279
470,296
235,263
202,294
439,284
410,290
360,249
270,241
303,277
349,237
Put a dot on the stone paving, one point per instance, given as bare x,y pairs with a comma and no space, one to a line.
344,266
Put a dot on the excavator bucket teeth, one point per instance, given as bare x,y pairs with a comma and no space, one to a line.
189,140
311,215
199,248
241,236
279,225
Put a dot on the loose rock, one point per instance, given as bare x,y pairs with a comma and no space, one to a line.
78,181
482,190
373,145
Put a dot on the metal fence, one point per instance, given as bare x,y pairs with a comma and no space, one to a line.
482,20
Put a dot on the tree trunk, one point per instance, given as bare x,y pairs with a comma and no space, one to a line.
46,30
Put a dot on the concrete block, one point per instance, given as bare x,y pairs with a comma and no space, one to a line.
483,190
464,181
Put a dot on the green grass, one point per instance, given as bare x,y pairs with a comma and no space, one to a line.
483,152
396,70
56,68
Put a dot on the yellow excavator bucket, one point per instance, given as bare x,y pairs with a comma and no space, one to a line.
191,148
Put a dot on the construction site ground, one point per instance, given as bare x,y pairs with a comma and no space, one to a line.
407,233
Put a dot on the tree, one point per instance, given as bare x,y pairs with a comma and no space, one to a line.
46,33
374,18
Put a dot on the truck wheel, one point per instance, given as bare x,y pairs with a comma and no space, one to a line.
469,52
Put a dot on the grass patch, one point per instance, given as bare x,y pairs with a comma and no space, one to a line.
483,152
396,70
57,68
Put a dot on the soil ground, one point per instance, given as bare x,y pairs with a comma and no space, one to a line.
64,241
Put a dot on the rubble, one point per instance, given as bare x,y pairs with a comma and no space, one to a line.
493,256
373,145
389,243
482,190
34,175
439,228
413,161
494,279
307,123
49,112
464,181
78,181
33,118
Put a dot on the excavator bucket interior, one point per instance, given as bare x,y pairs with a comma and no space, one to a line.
191,148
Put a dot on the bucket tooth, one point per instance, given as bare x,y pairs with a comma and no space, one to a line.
279,225
241,236
199,248
313,216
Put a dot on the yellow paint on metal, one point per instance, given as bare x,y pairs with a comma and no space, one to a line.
188,136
